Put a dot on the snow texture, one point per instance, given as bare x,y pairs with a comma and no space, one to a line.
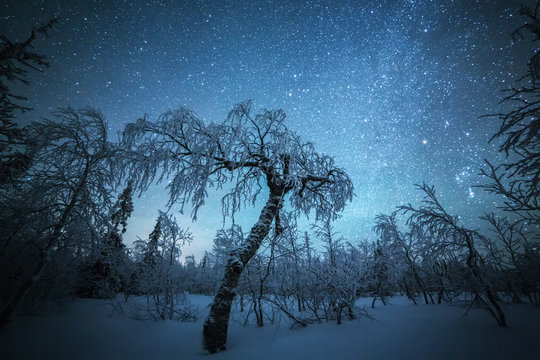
86,330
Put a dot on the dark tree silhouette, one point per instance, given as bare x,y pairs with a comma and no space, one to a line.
16,58
451,236
70,181
101,276
517,180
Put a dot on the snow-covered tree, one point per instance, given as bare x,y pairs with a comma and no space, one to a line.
404,247
70,181
224,241
103,272
151,253
159,274
252,152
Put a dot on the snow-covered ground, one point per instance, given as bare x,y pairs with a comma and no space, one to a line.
85,330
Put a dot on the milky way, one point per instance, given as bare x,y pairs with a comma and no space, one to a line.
392,89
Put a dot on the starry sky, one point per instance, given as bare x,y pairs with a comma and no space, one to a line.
392,88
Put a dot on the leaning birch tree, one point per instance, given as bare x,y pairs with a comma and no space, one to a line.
255,154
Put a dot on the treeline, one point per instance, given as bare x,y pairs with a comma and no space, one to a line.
431,259
66,197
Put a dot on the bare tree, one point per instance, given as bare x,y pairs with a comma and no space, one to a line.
517,180
517,259
387,229
253,152
164,287
70,181
438,223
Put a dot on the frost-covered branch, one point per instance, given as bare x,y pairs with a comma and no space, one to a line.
244,150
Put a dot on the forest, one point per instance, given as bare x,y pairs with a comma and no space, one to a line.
67,191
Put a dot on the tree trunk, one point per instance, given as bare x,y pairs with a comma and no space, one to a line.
409,294
25,288
44,255
491,304
217,322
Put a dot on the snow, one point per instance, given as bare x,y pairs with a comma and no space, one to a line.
87,329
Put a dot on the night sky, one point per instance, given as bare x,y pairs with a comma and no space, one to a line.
392,89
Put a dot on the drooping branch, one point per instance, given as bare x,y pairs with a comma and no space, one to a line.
249,152
517,199
244,149
519,131
15,59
